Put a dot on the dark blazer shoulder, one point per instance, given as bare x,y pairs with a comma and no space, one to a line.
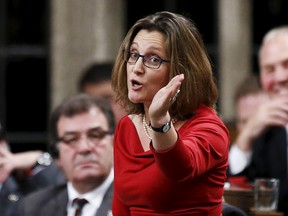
46,192
50,201
271,145
10,196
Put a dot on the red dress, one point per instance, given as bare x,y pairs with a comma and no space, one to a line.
186,180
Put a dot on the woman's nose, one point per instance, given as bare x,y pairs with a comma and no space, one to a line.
139,65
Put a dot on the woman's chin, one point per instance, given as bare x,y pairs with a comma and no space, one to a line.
135,99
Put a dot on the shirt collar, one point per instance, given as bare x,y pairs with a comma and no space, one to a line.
95,196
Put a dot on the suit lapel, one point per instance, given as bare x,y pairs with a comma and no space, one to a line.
106,205
57,205
277,149
61,202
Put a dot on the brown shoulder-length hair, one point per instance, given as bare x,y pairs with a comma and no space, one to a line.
187,54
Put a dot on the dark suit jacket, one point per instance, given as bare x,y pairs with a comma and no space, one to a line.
10,195
52,201
269,160
13,189
231,210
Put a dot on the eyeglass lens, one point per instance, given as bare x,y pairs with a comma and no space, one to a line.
94,135
150,61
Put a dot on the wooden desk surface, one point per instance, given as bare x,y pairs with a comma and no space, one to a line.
257,213
243,198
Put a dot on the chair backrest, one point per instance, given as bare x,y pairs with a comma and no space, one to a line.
230,210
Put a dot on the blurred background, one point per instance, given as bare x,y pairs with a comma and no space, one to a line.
46,44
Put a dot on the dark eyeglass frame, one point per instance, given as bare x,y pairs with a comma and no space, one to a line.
76,137
145,58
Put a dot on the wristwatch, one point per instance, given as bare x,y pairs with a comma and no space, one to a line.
164,128
44,160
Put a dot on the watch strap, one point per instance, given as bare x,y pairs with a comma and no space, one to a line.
163,129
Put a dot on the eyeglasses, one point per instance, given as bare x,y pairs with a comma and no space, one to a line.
150,61
94,136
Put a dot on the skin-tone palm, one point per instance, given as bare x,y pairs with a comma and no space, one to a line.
152,88
88,164
273,61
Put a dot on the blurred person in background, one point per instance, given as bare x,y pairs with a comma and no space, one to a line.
23,173
81,130
268,153
248,97
96,80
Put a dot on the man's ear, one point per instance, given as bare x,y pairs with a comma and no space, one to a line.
53,150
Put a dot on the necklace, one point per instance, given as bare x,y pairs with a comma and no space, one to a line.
146,127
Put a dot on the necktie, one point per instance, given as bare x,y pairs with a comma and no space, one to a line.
79,205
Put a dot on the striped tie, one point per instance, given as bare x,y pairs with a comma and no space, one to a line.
79,205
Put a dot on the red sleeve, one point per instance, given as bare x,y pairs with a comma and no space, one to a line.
118,208
201,146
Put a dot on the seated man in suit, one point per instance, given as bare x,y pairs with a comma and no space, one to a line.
265,155
81,131
23,173
248,97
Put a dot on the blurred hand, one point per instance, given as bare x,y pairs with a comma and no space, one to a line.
18,161
6,164
273,112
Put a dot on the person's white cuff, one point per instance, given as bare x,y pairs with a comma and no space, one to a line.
238,159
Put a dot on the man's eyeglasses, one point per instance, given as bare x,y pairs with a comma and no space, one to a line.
94,136
150,61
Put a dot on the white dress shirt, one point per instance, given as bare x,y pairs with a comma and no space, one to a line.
93,197
239,160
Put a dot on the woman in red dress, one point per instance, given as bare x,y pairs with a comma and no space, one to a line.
171,150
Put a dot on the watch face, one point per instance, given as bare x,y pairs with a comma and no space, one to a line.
45,159
163,129
166,127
